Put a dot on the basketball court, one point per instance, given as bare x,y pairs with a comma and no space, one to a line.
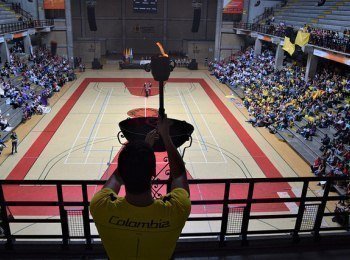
78,140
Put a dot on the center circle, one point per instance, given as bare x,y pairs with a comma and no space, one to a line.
143,112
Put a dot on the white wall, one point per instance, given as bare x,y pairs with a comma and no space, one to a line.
255,11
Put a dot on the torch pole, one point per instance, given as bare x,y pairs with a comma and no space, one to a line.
161,99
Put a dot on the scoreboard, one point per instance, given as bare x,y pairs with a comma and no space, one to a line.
145,6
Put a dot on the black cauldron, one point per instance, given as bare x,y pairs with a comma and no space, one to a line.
136,129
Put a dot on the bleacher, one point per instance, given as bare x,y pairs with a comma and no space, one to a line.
14,116
309,150
6,14
333,15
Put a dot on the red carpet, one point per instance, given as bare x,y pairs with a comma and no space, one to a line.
198,192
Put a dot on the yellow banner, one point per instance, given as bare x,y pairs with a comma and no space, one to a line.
288,46
302,38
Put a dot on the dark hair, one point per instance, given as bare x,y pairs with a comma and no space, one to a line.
136,166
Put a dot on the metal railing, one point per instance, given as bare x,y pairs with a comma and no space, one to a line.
268,11
342,45
236,201
16,7
20,26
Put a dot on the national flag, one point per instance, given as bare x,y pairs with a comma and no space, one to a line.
288,46
302,38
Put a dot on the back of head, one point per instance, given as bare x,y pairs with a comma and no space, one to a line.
136,166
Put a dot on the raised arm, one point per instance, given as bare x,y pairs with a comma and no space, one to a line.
114,182
177,166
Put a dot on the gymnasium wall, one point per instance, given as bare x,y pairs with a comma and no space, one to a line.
119,27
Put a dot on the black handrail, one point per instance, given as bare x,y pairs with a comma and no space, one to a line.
21,26
226,201
268,11
16,7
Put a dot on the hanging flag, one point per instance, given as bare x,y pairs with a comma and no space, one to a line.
288,46
302,38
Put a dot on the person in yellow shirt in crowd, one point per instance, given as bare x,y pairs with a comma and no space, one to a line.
138,226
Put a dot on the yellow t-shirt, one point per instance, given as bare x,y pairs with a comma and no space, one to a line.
130,232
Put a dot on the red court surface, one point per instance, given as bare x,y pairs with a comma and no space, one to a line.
198,192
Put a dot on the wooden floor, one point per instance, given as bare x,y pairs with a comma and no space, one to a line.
198,109
83,145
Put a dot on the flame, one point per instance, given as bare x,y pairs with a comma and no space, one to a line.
162,49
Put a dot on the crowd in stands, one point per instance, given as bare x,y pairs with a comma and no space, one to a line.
277,100
330,39
40,76
17,48
339,41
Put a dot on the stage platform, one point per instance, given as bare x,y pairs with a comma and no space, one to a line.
131,66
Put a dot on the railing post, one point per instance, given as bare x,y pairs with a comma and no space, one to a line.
246,214
225,211
86,216
63,217
321,208
300,212
5,220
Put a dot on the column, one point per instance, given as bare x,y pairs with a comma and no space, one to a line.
69,32
257,48
311,66
83,18
28,48
279,58
40,12
246,10
218,29
123,25
36,10
5,52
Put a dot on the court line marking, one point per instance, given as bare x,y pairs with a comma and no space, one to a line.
205,158
99,176
110,160
193,120
82,127
206,124
105,105
97,119
292,206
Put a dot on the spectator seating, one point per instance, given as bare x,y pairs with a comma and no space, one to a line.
7,15
13,115
334,15
28,82
301,113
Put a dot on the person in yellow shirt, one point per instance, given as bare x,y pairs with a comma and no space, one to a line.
138,226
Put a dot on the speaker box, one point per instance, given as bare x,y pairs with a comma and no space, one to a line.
96,65
91,18
196,19
193,65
